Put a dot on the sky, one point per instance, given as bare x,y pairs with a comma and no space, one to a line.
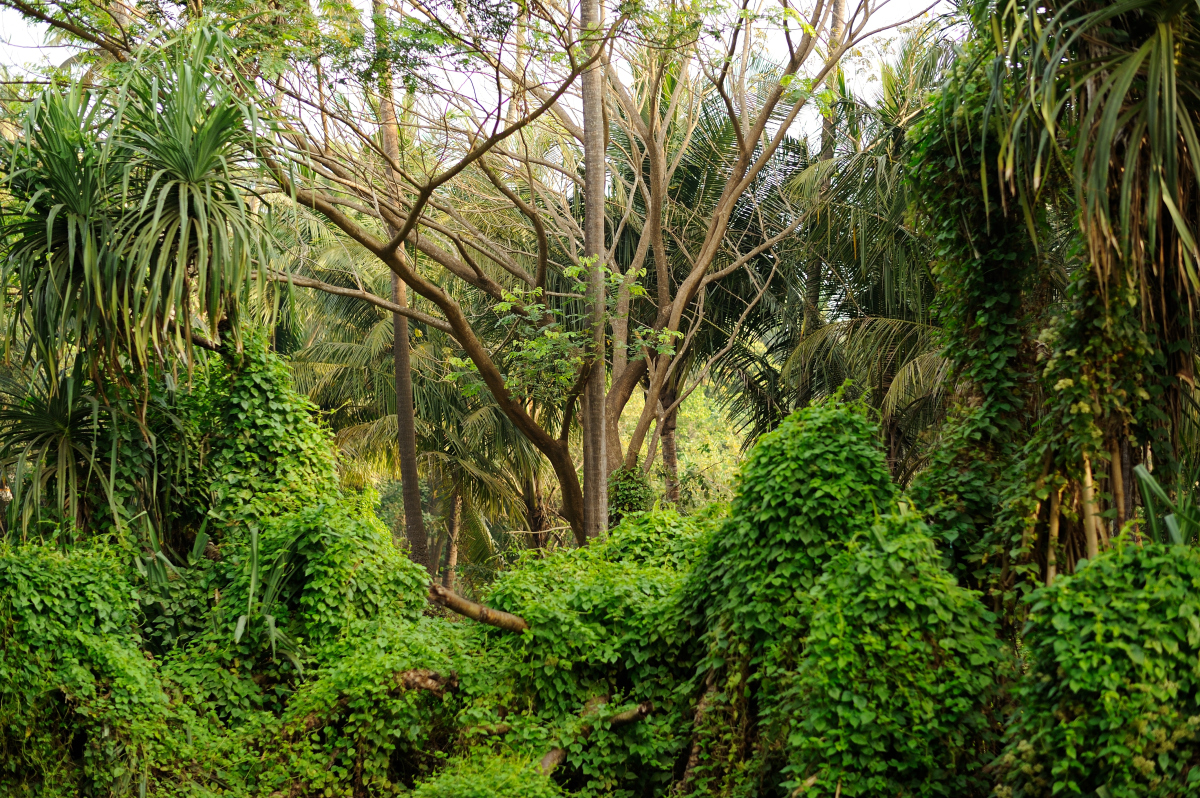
22,44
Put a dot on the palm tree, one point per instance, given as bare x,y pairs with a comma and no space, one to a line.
123,219
873,325
480,468
1098,111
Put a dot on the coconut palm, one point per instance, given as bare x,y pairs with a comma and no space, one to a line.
478,466
873,327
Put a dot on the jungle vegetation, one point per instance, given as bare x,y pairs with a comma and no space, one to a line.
522,399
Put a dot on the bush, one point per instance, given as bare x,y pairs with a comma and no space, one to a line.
628,492
489,776
268,453
605,621
80,705
1110,704
803,491
898,671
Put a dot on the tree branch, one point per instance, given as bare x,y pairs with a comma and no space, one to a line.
366,296
476,612
556,756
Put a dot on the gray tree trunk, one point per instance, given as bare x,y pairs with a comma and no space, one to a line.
670,451
406,431
595,461
815,270
452,525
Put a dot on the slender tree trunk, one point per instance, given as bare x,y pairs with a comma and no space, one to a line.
670,453
595,460
452,526
406,435
1052,539
406,432
1090,522
1117,478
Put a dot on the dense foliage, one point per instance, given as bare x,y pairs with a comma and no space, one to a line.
959,557
1111,702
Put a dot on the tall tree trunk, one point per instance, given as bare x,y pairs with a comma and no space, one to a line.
670,453
452,525
595,461
406,431
406,435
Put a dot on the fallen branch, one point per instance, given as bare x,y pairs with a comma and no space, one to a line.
423,679
556,756
476,612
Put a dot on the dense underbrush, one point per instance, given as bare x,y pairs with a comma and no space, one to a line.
805,640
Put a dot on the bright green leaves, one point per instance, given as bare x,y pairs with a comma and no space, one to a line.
268,455
124,213
1111,699
804,490
71,670
481,775
898,673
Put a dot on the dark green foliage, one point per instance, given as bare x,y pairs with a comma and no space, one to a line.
80,704
628,492
898,673
1110,704
987,306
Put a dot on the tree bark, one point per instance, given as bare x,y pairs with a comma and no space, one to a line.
1117,479
556,756
595,461
1090,522
1052,539
406,430
476,612
452,525
406,436
815,270
670,453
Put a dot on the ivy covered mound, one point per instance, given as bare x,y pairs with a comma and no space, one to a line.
805,641
1111,704
894,691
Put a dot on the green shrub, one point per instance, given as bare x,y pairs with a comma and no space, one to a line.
356,726
489,776
628,492
898,671
1110,704
605,621
803,491
80,705
268,454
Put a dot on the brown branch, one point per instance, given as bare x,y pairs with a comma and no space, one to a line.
556,756
195,339
366,296
424,679
476,612
117,51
